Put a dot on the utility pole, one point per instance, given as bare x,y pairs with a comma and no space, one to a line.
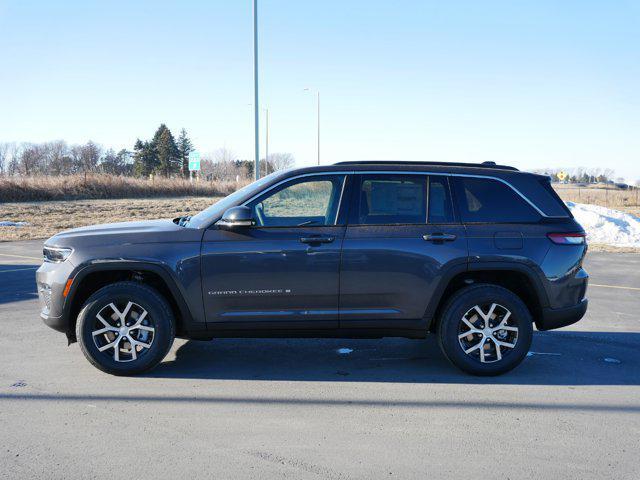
266,140
256,105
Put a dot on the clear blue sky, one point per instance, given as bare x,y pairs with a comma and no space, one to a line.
533,84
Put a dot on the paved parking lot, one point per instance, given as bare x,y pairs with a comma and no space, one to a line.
391,408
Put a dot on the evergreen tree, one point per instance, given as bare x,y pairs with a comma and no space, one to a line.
116,163
145,159
167,151
184,148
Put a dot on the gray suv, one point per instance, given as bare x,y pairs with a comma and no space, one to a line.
473,253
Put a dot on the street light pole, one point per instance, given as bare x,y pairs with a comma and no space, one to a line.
256,105
266,139
318,93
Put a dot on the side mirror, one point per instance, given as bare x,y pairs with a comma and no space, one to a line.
236,217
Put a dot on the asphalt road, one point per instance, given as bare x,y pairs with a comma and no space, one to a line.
298,409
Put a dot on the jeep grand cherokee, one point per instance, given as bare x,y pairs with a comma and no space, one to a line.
476,254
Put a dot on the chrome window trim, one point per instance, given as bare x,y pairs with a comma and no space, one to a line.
398,172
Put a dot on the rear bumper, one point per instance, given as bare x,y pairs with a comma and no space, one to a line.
553,318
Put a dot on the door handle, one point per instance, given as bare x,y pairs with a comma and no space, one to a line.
317,239
439,237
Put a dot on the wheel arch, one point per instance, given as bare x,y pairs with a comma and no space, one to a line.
95,276
518,278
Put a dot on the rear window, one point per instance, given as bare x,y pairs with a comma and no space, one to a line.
558,207
484,200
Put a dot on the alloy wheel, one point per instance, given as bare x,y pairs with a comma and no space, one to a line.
487,332
124,333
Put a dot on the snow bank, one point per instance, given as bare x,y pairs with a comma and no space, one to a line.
604,225
6,223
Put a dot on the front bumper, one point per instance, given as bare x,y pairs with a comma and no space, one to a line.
57,323
51,279
553,318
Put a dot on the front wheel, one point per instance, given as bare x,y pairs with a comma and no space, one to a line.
485,330
125,328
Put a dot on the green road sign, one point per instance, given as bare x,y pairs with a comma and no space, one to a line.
194,161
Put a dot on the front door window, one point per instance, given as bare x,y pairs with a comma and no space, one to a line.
311,201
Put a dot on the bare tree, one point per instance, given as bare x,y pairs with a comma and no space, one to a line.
75,154
59,161
13,159
280,161
222,165
4,157
84,158
90,156
33,159
608,174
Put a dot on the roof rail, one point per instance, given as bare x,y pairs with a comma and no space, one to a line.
443,164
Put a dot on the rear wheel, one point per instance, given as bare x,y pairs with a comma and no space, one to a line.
485,330
125,328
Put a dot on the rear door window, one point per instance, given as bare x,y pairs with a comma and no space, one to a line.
384,199
485,200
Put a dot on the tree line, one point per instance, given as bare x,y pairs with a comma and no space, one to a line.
162,155
582,175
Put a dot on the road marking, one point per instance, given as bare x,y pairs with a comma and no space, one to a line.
614,286
20,256
18,269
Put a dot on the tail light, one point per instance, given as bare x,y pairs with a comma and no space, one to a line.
568,238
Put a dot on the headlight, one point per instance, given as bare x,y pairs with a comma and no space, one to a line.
56,254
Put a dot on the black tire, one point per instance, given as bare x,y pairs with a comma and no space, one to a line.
451,326
159,317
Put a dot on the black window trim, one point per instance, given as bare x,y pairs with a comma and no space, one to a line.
285,182
411,172
455,219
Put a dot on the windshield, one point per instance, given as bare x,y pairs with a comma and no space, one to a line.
216,210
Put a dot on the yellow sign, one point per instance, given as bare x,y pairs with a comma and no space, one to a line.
561,176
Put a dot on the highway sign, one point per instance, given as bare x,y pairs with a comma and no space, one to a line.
194,161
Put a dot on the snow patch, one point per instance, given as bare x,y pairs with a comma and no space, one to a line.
608,226
6,223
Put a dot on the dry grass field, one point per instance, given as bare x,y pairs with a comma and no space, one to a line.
624,200
100,186
48,218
